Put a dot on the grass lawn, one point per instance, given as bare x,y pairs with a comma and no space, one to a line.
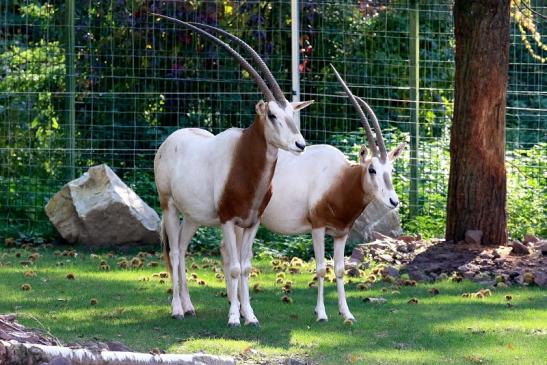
441,329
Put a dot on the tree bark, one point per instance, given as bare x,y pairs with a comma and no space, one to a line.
477,183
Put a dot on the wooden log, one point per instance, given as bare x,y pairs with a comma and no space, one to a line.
13,352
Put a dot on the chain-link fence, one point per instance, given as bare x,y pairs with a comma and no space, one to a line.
90,82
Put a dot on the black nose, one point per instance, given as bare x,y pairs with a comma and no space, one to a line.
394,203
300,145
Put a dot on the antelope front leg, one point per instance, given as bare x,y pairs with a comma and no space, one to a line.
228,232
226,267
187,231
339,245
171,225
226,259
318,236
246,254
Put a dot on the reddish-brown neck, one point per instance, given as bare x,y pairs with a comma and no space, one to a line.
248,187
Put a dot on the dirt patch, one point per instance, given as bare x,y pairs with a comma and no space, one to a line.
518,263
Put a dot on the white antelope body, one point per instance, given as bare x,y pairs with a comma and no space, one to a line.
223,180
328,197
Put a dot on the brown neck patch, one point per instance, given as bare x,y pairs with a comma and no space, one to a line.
248,188
343,202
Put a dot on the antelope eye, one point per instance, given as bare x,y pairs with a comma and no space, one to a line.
271,116
371,170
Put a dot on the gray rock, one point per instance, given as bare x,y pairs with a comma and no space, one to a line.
468,274
473,237
386,258
390,271
418,276
543,249
519,249
293,361
98,209
376,217
468,267
540,279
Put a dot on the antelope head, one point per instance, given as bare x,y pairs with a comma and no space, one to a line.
378,168
275,111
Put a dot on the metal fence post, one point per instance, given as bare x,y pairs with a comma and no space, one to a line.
295,57
414,104
70,87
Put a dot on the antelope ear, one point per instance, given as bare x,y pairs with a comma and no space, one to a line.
363,154
396,152
298,105
260,108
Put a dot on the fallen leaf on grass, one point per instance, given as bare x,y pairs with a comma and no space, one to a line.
374,300
474,359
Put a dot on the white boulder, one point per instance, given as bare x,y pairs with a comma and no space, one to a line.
98,209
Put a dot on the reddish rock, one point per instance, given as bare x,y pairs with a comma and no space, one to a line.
357,254
407,239
473,237
519,249
530,238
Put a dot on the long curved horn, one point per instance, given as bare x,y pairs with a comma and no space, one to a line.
376,125
255,75
274,86
364,120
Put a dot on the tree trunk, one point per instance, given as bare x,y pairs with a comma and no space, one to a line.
477,183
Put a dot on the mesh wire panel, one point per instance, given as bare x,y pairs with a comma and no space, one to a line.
138,78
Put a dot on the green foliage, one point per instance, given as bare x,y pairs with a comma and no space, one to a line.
272,244
37,11
138,79
527,191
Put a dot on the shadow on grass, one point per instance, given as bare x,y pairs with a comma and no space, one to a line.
138,314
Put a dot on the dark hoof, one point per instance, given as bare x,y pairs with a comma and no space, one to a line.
322,320
190,313
177,316
234,325
253,324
